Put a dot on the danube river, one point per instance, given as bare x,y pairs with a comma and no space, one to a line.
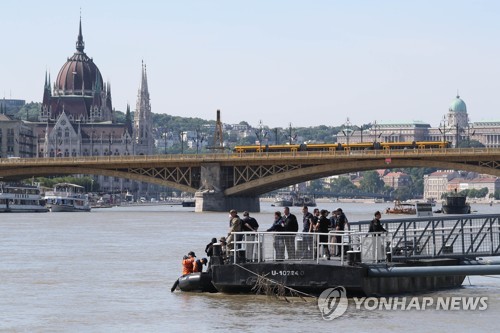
111,270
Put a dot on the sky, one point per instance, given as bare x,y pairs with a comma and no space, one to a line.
279,62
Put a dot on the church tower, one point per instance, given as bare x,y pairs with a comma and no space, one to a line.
143,136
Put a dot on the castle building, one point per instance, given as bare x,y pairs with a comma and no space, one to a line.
455,127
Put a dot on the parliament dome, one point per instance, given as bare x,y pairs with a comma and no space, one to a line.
79,75
458,105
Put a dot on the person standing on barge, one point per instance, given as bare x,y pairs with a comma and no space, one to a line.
307,227
249,224
235,226
291,225
375,224
279,242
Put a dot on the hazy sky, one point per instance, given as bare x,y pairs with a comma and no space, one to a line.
301,62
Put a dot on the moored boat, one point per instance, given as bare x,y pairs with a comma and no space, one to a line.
188,203
282,202
67,197
402,208
456,204
407,259
201,282
20,199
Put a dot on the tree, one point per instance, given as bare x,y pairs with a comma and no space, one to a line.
470,144
316,186
343,185
29,111
86,182
371,182
403,193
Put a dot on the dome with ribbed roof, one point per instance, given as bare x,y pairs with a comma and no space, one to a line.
79,75
458,105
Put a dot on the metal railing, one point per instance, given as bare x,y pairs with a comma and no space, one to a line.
456,236
302,246
224,156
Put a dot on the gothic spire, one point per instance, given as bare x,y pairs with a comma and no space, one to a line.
80,44
144,81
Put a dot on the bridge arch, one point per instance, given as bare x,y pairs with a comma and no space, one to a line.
288,178
38,172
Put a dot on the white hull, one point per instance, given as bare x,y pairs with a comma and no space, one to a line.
67,197
23,209
21,199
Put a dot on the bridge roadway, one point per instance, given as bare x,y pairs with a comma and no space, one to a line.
250,173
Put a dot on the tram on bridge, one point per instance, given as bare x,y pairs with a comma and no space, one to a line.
343,146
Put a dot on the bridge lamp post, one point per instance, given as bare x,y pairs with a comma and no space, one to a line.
469,134
92,143
290,136
111,135
347,131
258,133
126,143
165,133
181,137
375,127
444,130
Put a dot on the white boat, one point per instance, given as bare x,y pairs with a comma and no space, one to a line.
21,198
67,197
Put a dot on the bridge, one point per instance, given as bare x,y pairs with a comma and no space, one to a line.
223,180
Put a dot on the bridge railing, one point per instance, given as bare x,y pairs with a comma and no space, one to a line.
256,155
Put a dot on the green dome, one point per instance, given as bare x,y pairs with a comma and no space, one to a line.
458,105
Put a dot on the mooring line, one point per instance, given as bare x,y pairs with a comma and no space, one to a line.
275,282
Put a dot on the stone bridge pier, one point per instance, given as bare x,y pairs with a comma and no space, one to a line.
210,196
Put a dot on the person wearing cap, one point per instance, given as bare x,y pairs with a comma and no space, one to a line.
209,249
322,227
235,226
223,245
187,267
198,265
249,224
187,263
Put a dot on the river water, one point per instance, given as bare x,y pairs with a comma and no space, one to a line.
111,270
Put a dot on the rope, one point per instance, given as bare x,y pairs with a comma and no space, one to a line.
275,282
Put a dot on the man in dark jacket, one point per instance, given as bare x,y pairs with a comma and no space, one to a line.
375,225
291,225
249,224
341,224
308,222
